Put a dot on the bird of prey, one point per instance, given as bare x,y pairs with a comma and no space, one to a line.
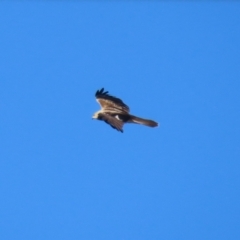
116,113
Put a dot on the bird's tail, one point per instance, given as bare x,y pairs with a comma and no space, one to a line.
146,122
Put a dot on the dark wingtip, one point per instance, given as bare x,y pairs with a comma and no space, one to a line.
101,92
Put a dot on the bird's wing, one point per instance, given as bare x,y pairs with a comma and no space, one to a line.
110,103
112,121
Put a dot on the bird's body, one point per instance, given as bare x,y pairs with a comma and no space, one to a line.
116,113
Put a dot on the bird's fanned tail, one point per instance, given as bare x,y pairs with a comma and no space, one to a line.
146,122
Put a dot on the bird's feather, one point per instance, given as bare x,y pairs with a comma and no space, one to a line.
107,101
112,121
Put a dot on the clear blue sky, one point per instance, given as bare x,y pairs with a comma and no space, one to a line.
66,176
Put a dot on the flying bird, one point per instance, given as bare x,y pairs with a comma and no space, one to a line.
116,113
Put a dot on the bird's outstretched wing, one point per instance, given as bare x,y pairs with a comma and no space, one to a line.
110,103
112,121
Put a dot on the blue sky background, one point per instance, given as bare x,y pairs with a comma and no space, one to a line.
65,176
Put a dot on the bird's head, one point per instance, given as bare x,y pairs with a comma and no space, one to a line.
95,115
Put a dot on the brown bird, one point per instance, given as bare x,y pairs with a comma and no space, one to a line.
115,112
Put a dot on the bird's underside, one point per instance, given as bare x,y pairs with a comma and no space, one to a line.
116,113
